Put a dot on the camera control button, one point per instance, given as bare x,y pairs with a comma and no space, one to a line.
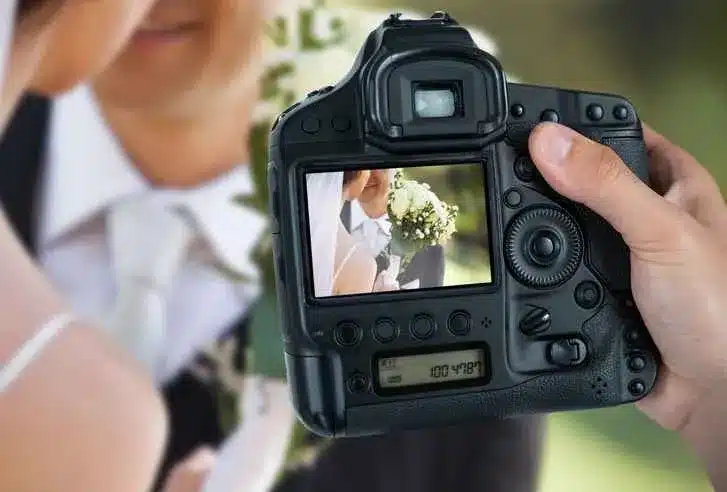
513,198
517,110
594,112
311,125
543,247
637,363
535,321
567,352
621,112
637,387
459,323
347,334
632,335
525,169
385,330
358,383
550,115
422,326
341,124
588,295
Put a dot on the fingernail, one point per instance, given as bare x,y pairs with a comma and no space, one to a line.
554,143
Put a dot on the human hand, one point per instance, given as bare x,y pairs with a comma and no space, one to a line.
386,282
677,234
190,474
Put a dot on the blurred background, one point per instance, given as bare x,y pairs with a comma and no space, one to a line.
668,58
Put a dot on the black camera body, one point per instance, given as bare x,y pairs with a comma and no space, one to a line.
554,328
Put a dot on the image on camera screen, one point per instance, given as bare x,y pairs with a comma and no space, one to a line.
391,229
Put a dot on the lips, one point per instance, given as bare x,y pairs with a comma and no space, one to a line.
167,28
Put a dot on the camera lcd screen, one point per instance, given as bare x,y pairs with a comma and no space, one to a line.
427,369
392,229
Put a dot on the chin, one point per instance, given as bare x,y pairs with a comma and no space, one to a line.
133,92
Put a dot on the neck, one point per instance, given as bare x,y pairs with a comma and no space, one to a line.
373,209
181,151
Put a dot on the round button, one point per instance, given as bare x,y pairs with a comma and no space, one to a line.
385,330
341,124
525,169
513,198
517,110
459,323
311,125
588,295
637,387
621,112
550,115
422,326
358,383
594,112
637,363
347,334
632,335
544,247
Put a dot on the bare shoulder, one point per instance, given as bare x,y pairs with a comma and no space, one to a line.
85,393
357,267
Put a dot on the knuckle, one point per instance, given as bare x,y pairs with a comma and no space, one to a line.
609,169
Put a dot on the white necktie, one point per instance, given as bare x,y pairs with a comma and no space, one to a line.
148,242
370,231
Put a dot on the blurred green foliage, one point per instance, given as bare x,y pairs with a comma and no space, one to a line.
668,58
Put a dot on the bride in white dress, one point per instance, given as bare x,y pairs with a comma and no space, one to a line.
341,265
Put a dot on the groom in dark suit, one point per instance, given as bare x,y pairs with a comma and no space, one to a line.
367,221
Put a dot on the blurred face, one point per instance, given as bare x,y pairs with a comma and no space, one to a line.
352,190
375,193
58,43
187,53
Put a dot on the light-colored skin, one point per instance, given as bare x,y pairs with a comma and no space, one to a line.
373,199
677,235
82,416
180,96
358,273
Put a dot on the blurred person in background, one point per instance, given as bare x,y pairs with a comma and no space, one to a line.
153,173
66,420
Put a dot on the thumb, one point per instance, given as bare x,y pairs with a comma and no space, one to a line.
595,176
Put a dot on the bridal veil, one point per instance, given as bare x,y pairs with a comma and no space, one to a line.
325,199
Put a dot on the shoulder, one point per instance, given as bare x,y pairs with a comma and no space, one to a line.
365,262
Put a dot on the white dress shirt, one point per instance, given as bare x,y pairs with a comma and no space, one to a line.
85,173
374,233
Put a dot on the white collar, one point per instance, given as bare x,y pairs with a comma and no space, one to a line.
358,217
88,171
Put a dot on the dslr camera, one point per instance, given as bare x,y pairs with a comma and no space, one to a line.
426,273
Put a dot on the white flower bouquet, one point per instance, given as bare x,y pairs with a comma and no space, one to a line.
419,219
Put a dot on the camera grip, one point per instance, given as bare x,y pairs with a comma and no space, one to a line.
313,393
